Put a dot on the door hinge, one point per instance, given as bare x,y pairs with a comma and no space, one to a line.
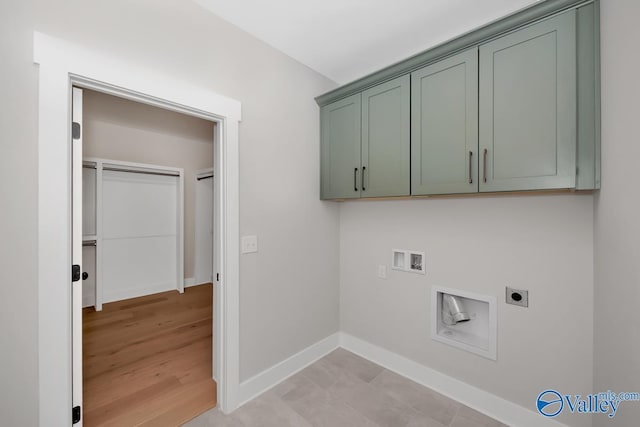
76,130
75,273
76,414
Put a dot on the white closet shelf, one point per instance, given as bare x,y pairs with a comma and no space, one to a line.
138,224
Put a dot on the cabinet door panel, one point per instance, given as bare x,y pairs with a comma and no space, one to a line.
528,107
340,149
444,120
385,139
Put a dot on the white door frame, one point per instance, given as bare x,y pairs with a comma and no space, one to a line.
215,366
62,65
199,174
76,252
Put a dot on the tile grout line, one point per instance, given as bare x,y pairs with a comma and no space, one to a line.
455,415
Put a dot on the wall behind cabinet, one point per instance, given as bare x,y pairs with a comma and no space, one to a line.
617,230
119,129
540,243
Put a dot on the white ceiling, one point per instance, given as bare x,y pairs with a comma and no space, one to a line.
347,39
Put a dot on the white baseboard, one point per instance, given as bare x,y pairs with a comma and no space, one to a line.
482,401
258,384
489,404
191,281
123,294
128,293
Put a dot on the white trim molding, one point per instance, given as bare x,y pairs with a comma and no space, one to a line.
265,380
62,65
482,401
190,282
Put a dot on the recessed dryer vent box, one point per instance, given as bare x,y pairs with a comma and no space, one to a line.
467,321
409,261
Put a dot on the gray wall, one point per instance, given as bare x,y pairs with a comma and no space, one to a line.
18,219
617,224
119,129
540,243
289,290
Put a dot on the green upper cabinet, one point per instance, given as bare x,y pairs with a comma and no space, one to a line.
340,149
385,139
512,106
527,133
365,143
444,126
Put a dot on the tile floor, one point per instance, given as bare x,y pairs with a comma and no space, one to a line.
345,390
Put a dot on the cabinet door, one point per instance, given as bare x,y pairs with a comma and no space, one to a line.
340,149
385,139
528,108
444,126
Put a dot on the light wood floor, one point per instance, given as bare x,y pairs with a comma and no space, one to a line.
147,361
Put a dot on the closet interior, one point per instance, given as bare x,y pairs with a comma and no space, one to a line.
147,291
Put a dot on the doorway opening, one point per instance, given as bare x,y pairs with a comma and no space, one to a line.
61,65
147,260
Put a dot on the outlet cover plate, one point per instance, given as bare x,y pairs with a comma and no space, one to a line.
517,297
249,244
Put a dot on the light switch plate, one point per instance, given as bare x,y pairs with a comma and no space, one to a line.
249,244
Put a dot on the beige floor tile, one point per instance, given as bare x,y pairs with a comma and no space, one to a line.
269,410
356,365
424,421
323,409
345,386
214,418
420,398
345,390
294,388
324,373
467,417
379,407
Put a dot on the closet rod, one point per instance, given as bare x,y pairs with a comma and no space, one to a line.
141,171
89,243
200,178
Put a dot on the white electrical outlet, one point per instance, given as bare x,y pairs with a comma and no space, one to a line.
249,244
382,271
